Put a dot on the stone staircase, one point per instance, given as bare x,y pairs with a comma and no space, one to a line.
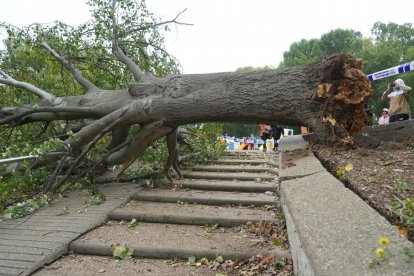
203,215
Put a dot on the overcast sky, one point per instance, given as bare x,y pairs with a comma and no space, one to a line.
228,34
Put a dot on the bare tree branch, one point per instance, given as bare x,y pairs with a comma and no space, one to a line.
21,115
55,174
120,55
88,148
7,79
126,42
148,26
87,84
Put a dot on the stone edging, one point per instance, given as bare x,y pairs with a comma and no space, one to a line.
331,230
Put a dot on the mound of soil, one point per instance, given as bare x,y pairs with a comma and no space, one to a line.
383,177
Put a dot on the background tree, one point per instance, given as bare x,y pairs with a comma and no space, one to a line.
390,45
339,41
302,52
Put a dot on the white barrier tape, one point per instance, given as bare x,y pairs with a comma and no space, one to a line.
407,67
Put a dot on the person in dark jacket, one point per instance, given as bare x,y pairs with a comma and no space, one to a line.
277,132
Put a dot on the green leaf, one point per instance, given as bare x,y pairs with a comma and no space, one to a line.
64,211
219,259
277,242
191,260
95,200
132,224
122,252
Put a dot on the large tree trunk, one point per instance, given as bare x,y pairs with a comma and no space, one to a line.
327,96
300,95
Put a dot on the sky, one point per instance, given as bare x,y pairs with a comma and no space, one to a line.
229,34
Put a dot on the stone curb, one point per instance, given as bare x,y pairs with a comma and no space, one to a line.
331,230
174,219
80,247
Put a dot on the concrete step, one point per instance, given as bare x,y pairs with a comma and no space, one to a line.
174,213
175,251
166,241
233,186
231,176
255,162
205,197
232,168
80,265
240,157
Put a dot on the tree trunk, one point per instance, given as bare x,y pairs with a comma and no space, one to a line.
397,132
327,96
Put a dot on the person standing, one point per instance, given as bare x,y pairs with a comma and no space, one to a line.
277,132
385,117
398,95
265,131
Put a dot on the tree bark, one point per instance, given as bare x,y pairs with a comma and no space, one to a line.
327,96
398,132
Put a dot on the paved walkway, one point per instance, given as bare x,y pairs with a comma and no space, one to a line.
28,243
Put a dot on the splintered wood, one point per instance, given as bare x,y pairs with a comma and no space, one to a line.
344,89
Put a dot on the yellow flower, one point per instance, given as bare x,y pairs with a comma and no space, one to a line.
383,241
380,252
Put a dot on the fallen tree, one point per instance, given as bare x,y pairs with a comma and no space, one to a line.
327,96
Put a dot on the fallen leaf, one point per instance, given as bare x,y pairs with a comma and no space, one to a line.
348,167
64,211
132,224
191,260
122,252
402,230
219,259
330,119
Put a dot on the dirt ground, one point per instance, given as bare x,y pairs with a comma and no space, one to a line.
383,177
